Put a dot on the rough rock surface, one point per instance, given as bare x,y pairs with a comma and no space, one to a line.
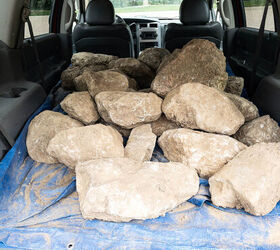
124,132
207,153
153,57
105,81
135,69
128,109
83,144
101,171
250,181
162,124
262,129
68,76
198,61
133,195
197,106
235,85
83,59
247,108
42,129
80,84
80,106
166,60
141,143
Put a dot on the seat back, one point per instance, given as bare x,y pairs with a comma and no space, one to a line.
100,34
194,17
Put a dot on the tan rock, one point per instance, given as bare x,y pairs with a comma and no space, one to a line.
68,76
124,132
105,81
235,85
262,129
42,129
87,143
166,60
197,106
80,84
207,153
141,143
128,109
80,106
153,57
250,180
198,61
133,196
162,124
83,59
247,108
135,69
101,171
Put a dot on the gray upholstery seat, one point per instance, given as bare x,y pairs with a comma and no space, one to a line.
100,33
194,17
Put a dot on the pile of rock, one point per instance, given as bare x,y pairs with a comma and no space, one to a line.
203,130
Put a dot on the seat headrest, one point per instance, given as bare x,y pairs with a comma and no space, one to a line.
194,12
100,12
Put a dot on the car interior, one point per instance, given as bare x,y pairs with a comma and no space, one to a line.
31,66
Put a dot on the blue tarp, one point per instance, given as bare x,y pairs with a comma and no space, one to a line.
40,210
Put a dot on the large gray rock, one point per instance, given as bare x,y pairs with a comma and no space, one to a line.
207,153
141,143
80,106
235,85
135,69
83,59
262,129
68,76
42,129
197,106
162,124
153,57
250,181
198,61
83,144
148,193
247,108
128,109
105,81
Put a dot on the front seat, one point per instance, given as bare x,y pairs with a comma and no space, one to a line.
194,17
100,33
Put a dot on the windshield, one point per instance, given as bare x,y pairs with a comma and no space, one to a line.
163,9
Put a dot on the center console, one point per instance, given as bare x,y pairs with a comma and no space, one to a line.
149,35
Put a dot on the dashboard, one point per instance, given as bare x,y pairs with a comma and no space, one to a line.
147,33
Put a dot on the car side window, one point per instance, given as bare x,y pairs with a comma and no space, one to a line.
39,17
254,12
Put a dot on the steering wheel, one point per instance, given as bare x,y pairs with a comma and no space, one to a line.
119,20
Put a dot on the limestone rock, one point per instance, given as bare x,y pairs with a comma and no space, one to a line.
162,124
166,60
207,153
262,129
141,143
197,106
250,181
68,76
128,109
235,85
105,81
80,106
153,57
247,108
101,171
80,84
124,132
135,69
83,144
42,129
198,61
83,59
148,193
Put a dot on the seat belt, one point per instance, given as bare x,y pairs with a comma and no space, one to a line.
255,62
25,18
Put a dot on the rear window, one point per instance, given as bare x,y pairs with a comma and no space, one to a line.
254,12
40,13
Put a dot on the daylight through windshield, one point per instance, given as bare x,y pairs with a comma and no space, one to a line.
147,8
